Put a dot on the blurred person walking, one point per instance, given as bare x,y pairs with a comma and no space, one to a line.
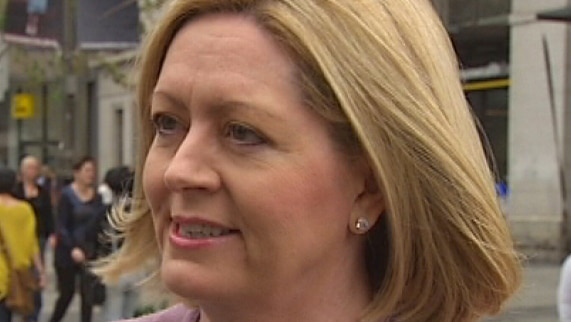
122,297
28,189
17,227
80,212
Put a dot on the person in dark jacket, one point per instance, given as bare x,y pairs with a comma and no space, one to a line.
80,213
38,197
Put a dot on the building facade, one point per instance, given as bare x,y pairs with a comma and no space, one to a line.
516,68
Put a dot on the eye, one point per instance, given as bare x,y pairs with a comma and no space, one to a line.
244,135
166,125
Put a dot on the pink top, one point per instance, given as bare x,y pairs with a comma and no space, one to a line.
177,313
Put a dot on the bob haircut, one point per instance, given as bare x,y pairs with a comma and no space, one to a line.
384,74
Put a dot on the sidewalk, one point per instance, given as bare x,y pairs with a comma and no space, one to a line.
536,301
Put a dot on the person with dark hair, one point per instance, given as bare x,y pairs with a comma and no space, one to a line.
18,228
80,213
39,198
122,297
116,184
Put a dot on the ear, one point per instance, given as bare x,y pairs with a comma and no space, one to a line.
368,206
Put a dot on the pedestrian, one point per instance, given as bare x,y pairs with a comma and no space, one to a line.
314,161
122,297
17,226
80,213
29,189
38,197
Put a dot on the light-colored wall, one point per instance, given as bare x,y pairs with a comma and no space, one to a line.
535,205
112,97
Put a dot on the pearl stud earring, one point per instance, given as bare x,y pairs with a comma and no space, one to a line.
362,224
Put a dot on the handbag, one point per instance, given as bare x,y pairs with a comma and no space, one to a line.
98,289
99,292
23,284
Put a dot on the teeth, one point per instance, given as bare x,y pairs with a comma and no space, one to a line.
201,231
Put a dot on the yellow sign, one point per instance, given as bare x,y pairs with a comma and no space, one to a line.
23,106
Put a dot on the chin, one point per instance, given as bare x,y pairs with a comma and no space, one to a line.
197,284
180,278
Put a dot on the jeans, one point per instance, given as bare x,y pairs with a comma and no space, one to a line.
5,313
66,278
38,294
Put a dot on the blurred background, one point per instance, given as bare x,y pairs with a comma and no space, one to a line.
66,90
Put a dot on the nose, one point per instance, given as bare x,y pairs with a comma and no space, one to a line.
192,166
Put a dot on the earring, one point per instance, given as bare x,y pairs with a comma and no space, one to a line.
362,224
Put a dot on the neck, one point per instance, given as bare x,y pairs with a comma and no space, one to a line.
29,182
5,197
80,187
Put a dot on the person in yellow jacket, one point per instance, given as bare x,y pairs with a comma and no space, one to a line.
18,226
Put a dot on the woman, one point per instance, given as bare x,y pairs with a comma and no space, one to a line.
312,161
80,212
18,227
39,198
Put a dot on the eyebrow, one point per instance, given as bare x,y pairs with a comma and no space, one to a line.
159,94
236,106
220,107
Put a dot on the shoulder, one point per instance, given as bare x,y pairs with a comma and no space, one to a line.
23,205
68,194
177,313
26,209
20,207
66,191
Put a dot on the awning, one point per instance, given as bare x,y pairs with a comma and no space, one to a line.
563,14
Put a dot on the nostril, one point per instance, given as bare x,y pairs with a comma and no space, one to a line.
191,174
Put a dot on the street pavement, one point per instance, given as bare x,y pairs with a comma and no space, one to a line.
535,302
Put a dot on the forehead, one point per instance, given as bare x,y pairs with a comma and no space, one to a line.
225,53
30,162
226,41
86,164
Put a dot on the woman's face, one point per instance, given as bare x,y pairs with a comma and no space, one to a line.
248,192
85,175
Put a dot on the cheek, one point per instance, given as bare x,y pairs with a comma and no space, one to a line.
153,185
312,199
155,192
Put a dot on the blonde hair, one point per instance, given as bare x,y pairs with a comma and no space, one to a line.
384,74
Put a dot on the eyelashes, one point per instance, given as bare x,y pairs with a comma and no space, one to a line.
236,132
167,125
244,134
